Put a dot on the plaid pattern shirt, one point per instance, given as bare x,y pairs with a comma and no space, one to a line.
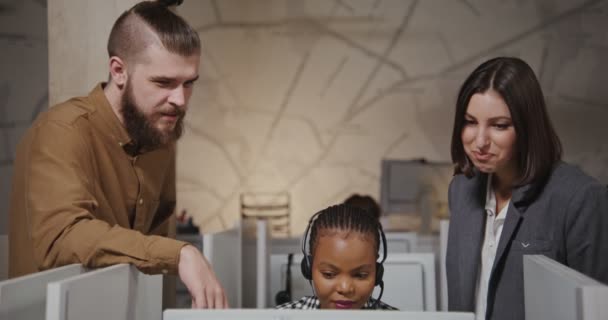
312,302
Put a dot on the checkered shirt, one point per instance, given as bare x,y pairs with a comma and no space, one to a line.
312,302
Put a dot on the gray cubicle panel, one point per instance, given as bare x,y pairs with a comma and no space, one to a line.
224,250
263,264
554,291
278,277
3,257
401,242
271,314
594,302
256,263
117,292
409,280
25,297
285,245
444,226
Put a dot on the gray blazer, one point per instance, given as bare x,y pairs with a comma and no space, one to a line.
565,219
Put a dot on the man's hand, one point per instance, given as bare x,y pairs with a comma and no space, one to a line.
196,273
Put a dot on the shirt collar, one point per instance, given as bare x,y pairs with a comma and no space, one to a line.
114,128
490,197
491,202
313,301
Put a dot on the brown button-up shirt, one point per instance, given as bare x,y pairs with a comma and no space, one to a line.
80,194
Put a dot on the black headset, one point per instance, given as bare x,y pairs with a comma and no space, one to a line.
284,296
306,264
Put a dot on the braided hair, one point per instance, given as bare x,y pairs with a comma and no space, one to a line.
347,218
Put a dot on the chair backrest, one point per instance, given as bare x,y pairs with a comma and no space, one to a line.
25,297
273,207
117,292
555,291
224,251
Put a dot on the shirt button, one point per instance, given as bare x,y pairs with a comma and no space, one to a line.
141,200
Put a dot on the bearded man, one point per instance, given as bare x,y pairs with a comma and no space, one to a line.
94,177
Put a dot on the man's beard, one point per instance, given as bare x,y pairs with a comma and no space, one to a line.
141,127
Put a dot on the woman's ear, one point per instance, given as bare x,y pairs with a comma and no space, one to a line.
118,71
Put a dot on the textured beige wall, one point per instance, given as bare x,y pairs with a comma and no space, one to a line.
78,31
23,82
308,96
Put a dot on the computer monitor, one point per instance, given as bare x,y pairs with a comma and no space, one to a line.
272,314
416,190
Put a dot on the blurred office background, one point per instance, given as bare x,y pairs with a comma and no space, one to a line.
307,97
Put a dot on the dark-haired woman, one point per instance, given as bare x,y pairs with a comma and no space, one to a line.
511,194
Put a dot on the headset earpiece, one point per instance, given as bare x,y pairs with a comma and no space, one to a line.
306,266
379,273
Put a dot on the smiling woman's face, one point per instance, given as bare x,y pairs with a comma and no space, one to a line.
344,268
488,135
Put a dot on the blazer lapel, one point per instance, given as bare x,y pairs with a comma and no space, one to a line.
519,201
512,221
472,229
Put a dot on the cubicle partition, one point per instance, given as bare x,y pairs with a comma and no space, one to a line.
3,257
444,226
593,302
117,292
25,297
256,263
553,291
224,252
271,314
409,281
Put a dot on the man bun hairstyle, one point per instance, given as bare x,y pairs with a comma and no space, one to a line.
152,22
